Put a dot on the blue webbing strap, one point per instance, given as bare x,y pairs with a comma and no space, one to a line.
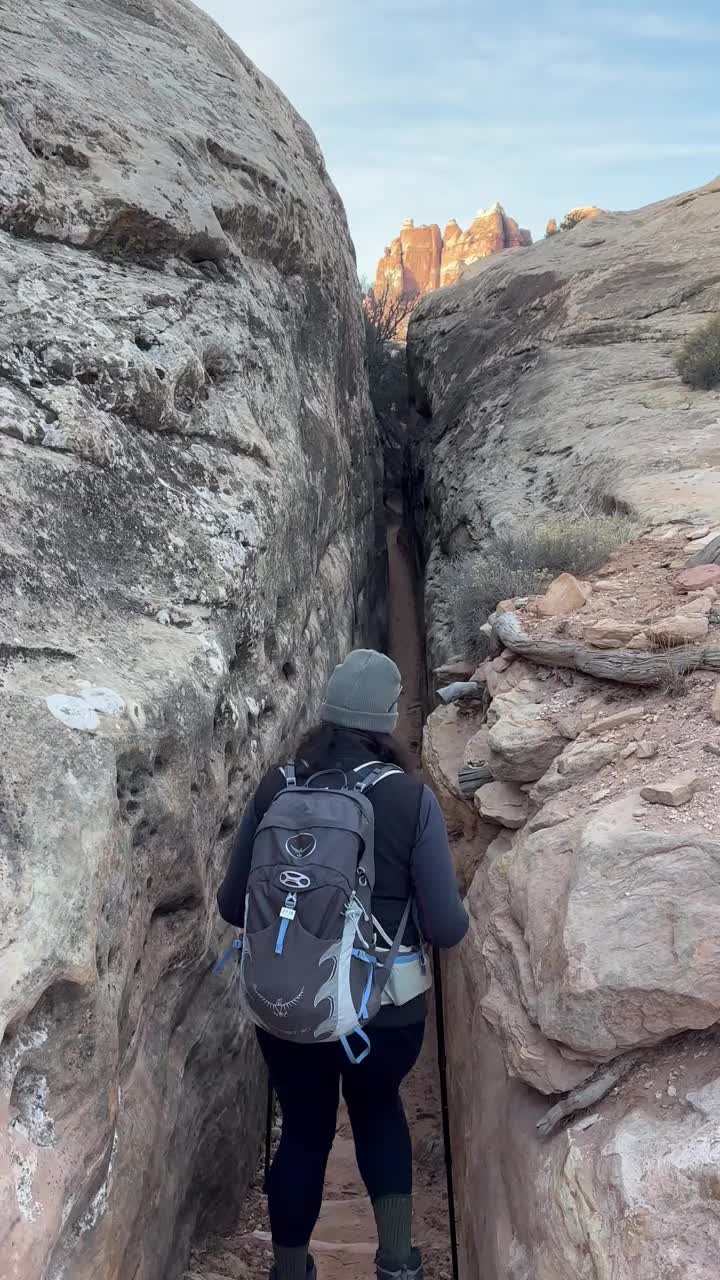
371,961
234,946
346,1046
281,937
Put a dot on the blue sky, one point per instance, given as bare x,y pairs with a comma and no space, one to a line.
434,110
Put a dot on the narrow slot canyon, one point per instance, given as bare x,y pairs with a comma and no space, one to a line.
345,1241
195,527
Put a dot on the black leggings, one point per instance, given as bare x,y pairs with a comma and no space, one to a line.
307,1080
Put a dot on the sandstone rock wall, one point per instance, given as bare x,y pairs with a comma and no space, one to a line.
592,953
422,259
545,381
189,490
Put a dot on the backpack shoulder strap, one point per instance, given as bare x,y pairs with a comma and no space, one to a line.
289,774
378,771
396,943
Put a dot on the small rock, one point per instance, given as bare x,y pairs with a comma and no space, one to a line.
551,815
672,1091
609,633
675,792
503,803
646,749
163,617
703,540
564,595
698,604
696,579
678,563
639,643
712,748
715,704
670,632
709,594
693,535
579,760
629,750
602,794
628,716
502,662
609,584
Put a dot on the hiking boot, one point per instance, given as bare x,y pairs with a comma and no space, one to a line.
310,1274
387,1267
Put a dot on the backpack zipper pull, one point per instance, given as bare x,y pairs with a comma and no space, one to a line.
288,911
286,915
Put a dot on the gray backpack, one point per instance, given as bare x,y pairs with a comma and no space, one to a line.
310,971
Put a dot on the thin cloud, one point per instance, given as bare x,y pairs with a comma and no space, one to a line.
428,112
656,26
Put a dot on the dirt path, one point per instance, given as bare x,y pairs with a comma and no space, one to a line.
344,1243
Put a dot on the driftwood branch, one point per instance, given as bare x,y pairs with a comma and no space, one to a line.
622,665
586,1095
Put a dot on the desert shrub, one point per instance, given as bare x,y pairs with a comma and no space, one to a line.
572,219
473,586
522,564
385,317
568,543
698,359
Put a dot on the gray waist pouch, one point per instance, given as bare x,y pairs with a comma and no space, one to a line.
409,977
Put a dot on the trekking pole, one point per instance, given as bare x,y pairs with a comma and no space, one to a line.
268,1133
444,1108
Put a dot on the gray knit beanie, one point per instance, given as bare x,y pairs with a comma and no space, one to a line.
363,693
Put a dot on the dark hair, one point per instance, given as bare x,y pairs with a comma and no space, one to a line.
326,746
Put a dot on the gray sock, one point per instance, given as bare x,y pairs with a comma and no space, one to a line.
393,1217
290,1264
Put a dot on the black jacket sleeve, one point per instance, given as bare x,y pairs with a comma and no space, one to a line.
443,918
231,894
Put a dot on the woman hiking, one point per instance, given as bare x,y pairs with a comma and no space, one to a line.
415,894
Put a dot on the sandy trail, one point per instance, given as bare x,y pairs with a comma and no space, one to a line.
344,1243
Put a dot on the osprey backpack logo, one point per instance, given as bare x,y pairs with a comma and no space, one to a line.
295,880
301,845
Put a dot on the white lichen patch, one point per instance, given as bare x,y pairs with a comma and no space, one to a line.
23,1167
33,1120
73,712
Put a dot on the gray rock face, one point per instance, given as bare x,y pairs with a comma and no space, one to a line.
189,497
546,380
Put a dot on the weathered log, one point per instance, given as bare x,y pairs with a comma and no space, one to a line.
459,689
470,779
586,1095
706,555
457,670
624,666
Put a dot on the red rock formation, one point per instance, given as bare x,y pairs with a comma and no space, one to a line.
420,259
572,217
